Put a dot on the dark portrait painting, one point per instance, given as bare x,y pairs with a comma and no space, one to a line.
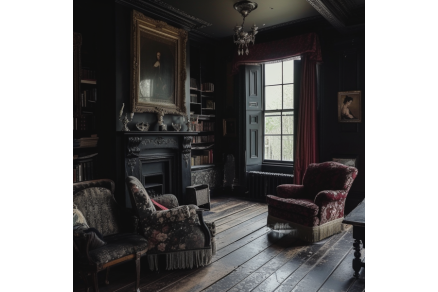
350,107
157,68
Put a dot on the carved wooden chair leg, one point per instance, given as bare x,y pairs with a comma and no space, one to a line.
357,262
95,282
107,276
137,267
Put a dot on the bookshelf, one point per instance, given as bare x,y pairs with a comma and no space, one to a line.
202,109
85,109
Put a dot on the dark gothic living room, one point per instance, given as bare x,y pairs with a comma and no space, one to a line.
218,145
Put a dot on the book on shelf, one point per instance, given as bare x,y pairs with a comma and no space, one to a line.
85,142
209,87
88,74
210,104
83,171
203,126
193,98
85,122
203,139
204,159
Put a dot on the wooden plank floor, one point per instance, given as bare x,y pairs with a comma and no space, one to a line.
250,257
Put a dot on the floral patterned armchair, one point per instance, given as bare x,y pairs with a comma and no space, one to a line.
315,209
103,234
179,233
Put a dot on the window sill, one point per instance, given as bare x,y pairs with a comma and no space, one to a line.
278,163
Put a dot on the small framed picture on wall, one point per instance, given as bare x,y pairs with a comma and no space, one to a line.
350,106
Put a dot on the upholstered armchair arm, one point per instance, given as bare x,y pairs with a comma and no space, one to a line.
204,227
180,213
167,200
330,196
290,191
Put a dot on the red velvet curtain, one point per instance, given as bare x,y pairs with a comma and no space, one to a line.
306,46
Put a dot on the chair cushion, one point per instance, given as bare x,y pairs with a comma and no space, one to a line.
118,246
142,203
303,207
175,237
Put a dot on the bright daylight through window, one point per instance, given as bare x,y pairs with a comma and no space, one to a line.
279,111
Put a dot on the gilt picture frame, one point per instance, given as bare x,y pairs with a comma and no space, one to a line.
350,106
158,66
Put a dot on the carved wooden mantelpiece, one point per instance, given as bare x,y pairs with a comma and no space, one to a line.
146,147
138,141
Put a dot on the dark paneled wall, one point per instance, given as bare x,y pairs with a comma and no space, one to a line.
343,70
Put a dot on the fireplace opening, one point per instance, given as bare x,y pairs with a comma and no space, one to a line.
154,184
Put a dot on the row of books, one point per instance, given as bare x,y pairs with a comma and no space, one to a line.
203,139
86,141
88,74
89,97
207,87
210,104
84,122
83,171
204,126
193,98
202,159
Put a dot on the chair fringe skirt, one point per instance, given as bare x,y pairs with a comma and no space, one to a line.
182,259
309,234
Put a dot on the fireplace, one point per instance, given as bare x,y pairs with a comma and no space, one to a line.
160,160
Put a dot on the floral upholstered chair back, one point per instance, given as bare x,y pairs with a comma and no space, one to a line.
95,199
328,176
142,204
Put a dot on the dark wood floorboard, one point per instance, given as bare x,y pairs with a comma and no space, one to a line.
341,279
250,257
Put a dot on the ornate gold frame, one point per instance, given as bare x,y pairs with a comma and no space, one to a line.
357,94
142,23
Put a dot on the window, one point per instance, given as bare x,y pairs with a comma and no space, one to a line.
279,111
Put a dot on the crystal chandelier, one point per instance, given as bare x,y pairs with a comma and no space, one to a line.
240,37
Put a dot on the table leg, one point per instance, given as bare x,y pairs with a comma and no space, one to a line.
357,262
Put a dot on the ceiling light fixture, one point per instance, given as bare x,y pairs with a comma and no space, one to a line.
240,37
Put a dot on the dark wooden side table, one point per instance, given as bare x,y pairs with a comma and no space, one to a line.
357,219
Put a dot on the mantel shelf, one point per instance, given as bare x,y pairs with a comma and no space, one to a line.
158,133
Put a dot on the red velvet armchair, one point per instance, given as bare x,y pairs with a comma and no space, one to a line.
315,209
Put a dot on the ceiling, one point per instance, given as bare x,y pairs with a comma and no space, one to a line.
342,14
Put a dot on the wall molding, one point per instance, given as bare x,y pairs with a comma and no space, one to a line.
166,12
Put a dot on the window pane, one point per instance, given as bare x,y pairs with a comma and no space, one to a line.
273,73
272,123
288,122
273,147
288,148
288,72
273,97
288,96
